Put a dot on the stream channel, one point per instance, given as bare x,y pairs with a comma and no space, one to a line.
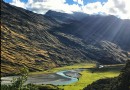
59,78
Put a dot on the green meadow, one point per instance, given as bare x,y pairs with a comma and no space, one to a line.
89,75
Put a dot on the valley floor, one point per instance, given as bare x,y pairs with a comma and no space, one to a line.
89,75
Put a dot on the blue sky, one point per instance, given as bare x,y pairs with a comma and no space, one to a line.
119,8
85,1
67,1
9,1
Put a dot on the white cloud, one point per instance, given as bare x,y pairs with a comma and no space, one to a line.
18,3
120,8
79,1
93,8
42,6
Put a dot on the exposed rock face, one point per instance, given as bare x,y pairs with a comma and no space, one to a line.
41,42
122,82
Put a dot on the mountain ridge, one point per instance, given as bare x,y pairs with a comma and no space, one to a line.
96,28
40,43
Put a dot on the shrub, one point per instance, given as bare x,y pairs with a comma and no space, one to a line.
18,83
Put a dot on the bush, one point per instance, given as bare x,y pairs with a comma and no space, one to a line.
18,83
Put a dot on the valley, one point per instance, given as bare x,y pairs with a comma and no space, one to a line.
61,51
89,73
44,43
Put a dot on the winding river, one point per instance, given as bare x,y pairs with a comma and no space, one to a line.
59,78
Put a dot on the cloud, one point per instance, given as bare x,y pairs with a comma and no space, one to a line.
120,8
93,8
78,1
42,6
18,3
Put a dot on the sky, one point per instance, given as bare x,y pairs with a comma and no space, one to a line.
119,8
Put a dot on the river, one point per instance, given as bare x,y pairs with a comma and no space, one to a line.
59,78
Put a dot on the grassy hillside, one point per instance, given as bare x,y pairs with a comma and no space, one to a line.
26,41
38,42
17,50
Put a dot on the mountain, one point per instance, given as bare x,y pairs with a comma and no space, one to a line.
42,42
122,82
66,18
94,28
61,17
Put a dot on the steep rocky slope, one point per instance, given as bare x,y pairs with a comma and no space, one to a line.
122,82
40,42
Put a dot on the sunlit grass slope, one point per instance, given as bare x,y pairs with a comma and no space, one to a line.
17,50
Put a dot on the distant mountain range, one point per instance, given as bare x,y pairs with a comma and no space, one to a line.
56,39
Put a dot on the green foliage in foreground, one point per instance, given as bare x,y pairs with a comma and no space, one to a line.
101,84
18,84
30,87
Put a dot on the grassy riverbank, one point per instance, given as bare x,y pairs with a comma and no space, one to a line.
90,75
87,76
70,67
